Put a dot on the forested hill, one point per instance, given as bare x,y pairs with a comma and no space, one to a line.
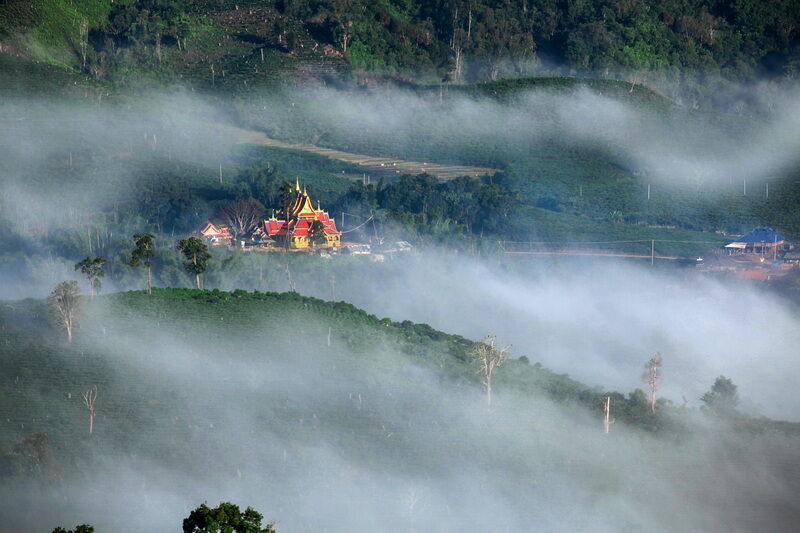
692,43
173,328
201,395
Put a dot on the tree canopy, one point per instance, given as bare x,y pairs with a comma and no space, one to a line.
225,518
723,397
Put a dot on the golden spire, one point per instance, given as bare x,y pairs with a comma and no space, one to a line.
297,185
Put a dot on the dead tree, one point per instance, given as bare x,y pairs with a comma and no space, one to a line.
65,306
89,398
652,378
607,415
242,217
488,358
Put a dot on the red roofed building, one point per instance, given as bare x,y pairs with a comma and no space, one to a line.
298,226
216,234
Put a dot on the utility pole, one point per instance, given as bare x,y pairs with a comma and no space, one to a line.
652,252
767,190
648,191
744,187
220,173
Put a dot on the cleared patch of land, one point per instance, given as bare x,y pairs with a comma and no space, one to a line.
376,164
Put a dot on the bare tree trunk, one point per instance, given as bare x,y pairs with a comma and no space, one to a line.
89,397
292,288
197,280
84,43
149,280
158,47
69,331
607,417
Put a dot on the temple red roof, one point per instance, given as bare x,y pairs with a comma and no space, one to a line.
301,216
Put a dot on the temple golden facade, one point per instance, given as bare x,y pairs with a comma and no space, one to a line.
303,224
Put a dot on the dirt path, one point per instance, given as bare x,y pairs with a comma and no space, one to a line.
370,163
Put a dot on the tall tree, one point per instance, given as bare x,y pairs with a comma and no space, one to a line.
195,252
488,357
89,397
65,304
225,518
242,217
93,268
287,198
723,397
141,255
317,233
652,378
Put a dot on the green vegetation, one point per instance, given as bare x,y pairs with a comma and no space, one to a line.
225,518
83,528
203,320
237,45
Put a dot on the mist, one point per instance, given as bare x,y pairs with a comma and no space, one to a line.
656,138
274,429
337,439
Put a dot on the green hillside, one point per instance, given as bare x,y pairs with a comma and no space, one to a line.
241,391
256,41
42,376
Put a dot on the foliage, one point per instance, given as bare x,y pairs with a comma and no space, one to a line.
195,251
83,528
93,269
142,253
225,518
317,233
32,457
723,397
473,40
143,250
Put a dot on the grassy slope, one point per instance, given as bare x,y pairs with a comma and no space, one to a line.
40,371
50,29
42,377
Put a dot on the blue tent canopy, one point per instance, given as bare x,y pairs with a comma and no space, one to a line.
761,235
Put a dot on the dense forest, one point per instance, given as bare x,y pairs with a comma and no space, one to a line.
698,51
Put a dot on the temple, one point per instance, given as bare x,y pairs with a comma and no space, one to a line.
216,233
298,225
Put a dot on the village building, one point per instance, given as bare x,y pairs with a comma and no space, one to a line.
297,225
761,241
216,233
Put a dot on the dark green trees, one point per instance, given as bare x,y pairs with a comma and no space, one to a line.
225,518
195,252
141,255
93,268
83,528
317,233
723,397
